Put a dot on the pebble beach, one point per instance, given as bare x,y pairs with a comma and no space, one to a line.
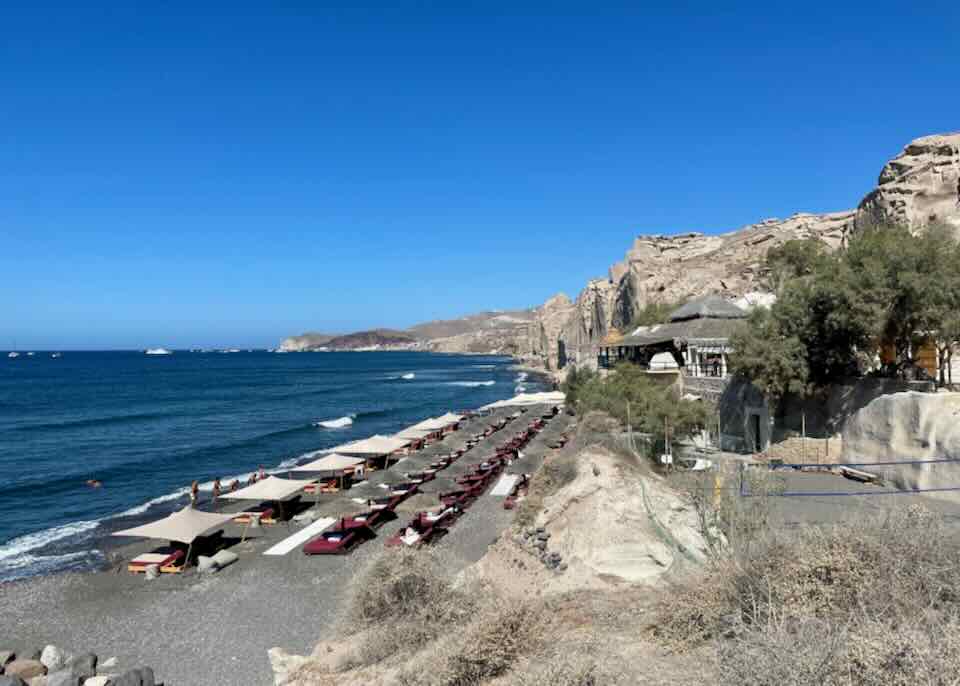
213,630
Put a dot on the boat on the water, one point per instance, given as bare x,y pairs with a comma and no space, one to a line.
13,354
158,351
55,355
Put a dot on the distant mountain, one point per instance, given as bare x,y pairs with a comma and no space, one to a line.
485,332
377,339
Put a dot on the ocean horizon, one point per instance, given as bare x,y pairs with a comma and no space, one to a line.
146,426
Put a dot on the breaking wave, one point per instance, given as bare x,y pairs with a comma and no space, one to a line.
471,384
339,423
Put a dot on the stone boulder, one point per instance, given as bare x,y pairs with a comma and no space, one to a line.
918,187
914,429
6,656
53,658
11,680
84,666
25,669
64,677
283,663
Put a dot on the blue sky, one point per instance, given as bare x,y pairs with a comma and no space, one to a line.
239,172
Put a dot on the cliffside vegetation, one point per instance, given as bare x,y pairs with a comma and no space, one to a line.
630,396
835,311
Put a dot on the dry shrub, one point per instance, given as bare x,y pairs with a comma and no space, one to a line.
502,633
407,598
565,670
556,472
866,653
876,582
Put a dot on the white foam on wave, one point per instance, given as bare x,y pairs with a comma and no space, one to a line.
23,544
408,376
339,423
520,389
140,509
471,384
484,366
30,565
521,377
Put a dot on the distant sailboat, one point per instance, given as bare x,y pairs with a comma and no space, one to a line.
55,355
14,352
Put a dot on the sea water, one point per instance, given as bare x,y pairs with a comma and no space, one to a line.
146,426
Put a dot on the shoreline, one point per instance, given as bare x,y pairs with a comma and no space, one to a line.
63,560
200,629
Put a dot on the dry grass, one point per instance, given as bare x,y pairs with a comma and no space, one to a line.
875,602
406,598
556,472
501,633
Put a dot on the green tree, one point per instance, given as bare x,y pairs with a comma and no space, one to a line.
792,260
772,359
629,393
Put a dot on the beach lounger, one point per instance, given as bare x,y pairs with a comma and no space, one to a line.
415,534
264,511
341,539
373,518
162,557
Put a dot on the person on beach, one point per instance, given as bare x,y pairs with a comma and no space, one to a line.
216,492
261,474
194,493
235,485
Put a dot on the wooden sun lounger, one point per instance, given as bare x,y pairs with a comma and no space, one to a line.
265,513
165,559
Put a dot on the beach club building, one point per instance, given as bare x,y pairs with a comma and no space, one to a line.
695,340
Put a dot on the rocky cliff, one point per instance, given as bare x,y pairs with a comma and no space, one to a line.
919,186
499,332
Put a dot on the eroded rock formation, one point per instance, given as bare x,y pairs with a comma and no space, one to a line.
918,187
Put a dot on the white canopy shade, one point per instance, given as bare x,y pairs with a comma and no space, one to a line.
415,434
271,488
375,445
184,526
329,463
547,398
450,418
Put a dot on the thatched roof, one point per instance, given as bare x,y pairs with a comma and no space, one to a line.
679,332
710,306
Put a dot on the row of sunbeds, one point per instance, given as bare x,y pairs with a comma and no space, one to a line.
428,525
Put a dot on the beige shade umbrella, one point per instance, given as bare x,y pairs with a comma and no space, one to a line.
375,445
333,463
330,463
271,488
184,526
450,418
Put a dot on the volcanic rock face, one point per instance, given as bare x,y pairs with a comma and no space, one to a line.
669,269
542,343
920,186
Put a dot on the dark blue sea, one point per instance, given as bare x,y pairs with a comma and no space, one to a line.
146,426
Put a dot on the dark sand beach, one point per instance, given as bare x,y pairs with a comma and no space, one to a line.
215,630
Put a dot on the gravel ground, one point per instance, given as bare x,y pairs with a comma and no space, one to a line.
215,631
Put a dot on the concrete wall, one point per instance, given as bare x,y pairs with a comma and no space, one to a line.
825,414
916,430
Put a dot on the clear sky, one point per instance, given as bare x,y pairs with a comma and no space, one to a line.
189,174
